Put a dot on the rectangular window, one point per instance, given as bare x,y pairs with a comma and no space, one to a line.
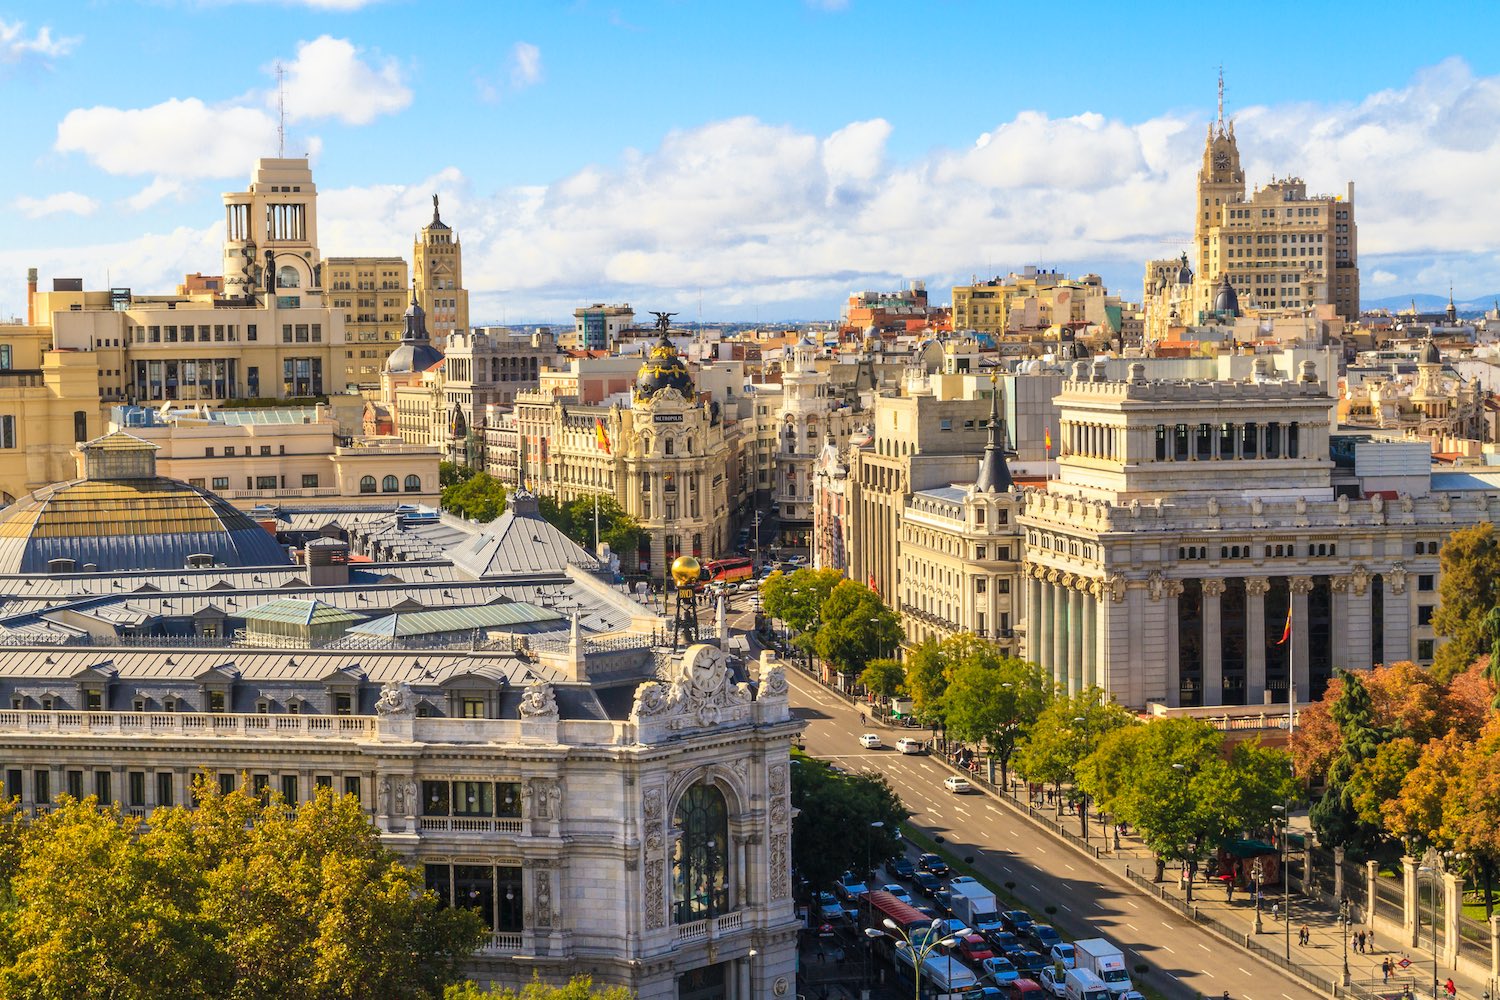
75,784
286,333
435,798
135,788
351,786
1424,649
1002,585
93,701
309,480
1426,582
343,704
250,331
226,782
473,798
323,781
216,701
102,787
13,788
265,482
41,787
7,431
289,789
221,482
164,788
981,585
1424,614
981,552
473,708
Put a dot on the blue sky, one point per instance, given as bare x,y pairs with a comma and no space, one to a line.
764,159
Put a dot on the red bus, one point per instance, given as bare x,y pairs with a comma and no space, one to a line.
730,570
881,906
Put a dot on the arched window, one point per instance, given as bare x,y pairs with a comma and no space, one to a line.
414,484
287,277
367,484
700,859
389,484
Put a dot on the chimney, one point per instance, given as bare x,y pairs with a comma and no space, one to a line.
31,296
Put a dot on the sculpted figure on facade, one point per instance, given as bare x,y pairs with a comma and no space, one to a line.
396,699
539,703
1359,579
773,683
1395,578
703,692
1213,587
1117,587
1256,586
1155,584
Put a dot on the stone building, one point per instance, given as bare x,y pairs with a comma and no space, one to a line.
437,259
811,413
602,816
486,366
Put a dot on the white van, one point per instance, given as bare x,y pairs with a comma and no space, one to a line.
1081,984
908,745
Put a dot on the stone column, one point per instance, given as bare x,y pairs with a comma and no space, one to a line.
1091,635
1339,587
1301,587
1255,640
1358,645
1453,903
1213,648
1397,614
1410,900
1034,618
742,978
1172,590
1059,627
1495,946
1075,640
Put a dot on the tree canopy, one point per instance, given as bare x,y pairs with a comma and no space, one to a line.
856,627
991,698
1066,732
833,809
478,497
578,988
797,598
236,899
617,528
883,678
1467,591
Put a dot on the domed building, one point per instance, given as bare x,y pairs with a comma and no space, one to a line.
122,516
663,369
416,353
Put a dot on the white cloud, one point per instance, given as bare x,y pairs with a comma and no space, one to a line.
53,204
176,138
525,65
328,79
15,45
1383,279
152,193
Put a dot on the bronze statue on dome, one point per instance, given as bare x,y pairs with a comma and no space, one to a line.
663,321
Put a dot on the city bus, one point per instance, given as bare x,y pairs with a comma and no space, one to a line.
731,570
943,976
880,906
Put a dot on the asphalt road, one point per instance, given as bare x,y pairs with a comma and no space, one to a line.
1186,961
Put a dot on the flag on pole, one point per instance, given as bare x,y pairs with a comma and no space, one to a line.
601,436
873,585
1047,436
1286,633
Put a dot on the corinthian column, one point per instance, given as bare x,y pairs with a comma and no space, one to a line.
1255,640
1301,587
1213,649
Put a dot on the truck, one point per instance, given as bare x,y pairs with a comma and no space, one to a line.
974,906
1105,961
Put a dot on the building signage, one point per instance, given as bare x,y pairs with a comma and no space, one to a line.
668,418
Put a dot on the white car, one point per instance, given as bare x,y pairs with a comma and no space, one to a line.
871,741
908,745
957,785
1052,981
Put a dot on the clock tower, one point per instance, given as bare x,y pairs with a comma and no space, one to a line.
1220,181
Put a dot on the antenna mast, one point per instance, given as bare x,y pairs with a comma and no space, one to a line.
1221,96
281,109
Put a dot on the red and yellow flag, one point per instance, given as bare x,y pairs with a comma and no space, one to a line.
601,436
1047,436
1286,633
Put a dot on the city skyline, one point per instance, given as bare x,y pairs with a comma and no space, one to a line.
578,162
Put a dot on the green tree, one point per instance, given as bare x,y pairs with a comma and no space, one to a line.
883,678
451,474
578,988
1066,732
796,598
1335,816
480,497
927,681
992,698
833,809
856,627
1470,562
617,527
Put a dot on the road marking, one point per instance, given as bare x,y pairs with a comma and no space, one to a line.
1040,850
1066,907
1132,903
1035,889
1133,927
1287,998
1237,967
1206,948
1169,951
961,810
1065,865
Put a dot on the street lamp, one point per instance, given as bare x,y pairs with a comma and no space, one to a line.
930,942
1083,799
1432,875
1286,883
1344,930
1191,846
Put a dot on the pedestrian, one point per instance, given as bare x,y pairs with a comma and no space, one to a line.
1228,892
1450,989
1370,939
1359,942
1385,970
1304,935
1275,911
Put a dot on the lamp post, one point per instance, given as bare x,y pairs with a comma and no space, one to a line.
1192,846
1434,881
930,942
1258,873
1286,883
1344,930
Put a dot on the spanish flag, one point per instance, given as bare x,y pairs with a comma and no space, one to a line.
601,436
1047,436
1286,633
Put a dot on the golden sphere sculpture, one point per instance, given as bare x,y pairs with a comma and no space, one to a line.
686,572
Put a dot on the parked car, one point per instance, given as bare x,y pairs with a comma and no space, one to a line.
1029,962
1052,980
1016,921
927,883
943,900
974,949
829,908
1000,970
932,864
899,891
870,741
957,785
851,886
901,867
1063,956
907,745
748,587
1025,988
1044,936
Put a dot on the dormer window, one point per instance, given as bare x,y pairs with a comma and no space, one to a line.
216,701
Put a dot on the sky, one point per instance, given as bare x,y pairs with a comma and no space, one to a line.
734,161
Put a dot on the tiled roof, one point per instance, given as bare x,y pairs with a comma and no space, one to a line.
414,623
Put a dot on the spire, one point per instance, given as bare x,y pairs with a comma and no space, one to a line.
1221,97
994,474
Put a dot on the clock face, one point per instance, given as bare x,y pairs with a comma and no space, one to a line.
1221,160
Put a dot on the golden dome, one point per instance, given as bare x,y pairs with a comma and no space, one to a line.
686,571
663,368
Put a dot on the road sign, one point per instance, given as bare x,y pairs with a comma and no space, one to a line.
1404,963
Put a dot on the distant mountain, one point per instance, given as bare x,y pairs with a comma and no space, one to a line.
1431,303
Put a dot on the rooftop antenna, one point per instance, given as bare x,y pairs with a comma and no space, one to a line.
281,110
1221,95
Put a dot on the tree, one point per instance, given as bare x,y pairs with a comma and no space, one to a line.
480,497
451,474
617,527
1058,741
578,988
1334,816
238,898
1417,815
832,810
883,678
797,598
992,698
1470,562
927,681
1377,779
855,627
1472,813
